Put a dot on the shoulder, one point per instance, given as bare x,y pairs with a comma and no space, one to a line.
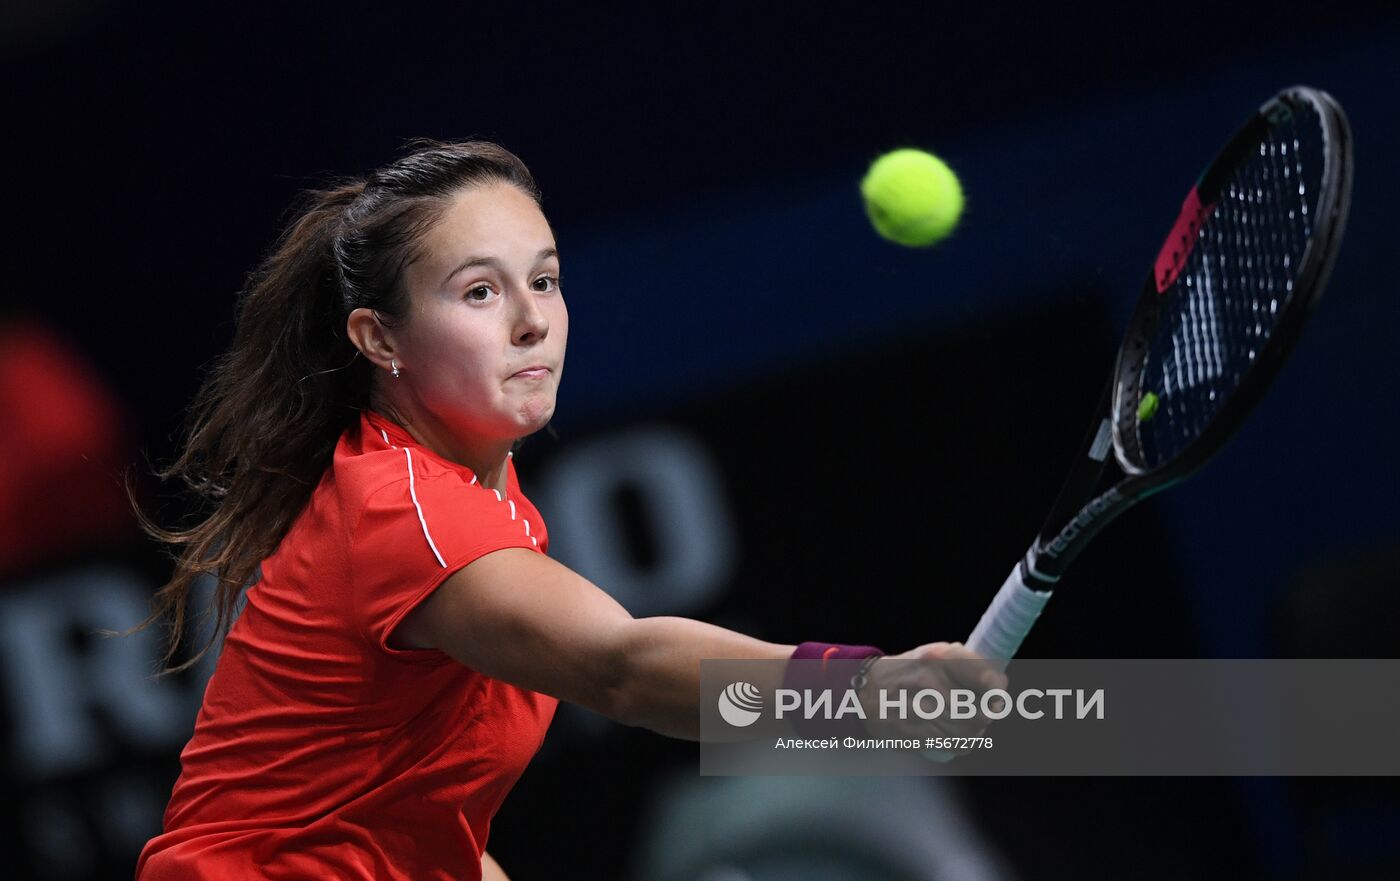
370,465
387,484
406,480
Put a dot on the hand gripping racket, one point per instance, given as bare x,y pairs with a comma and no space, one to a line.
1231,288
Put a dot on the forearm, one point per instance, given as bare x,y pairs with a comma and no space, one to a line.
523,618
660,685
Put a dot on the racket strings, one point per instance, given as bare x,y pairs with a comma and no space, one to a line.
1225,304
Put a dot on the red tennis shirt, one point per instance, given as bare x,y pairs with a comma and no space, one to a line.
322,752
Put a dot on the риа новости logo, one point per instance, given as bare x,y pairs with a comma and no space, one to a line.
740,704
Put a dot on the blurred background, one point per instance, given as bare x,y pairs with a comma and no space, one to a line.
772,419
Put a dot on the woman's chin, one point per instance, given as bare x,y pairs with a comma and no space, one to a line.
534,416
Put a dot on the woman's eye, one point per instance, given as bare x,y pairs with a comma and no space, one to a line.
550,282
481,293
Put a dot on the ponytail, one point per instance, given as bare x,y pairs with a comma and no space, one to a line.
290,364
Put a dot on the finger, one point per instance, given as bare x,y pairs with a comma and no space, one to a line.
934,651
974,672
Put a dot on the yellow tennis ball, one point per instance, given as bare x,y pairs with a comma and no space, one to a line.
912,197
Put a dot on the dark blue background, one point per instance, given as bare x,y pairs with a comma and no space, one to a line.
700,168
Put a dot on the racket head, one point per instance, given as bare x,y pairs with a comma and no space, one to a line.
1231,289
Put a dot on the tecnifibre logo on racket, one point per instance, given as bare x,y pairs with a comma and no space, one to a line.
1084,519
740,704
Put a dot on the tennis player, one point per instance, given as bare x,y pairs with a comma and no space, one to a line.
405,637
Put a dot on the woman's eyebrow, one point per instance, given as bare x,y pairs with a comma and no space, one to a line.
469,262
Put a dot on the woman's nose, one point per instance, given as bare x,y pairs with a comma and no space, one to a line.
531,324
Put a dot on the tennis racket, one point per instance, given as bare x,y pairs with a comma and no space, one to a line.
1242,267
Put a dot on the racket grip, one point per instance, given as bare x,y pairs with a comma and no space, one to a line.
998,636
1012,613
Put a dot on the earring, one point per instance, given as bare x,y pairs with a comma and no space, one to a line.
395,371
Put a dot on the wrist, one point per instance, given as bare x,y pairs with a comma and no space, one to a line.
823,673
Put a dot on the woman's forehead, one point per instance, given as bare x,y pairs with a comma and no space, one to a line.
494,212
490,225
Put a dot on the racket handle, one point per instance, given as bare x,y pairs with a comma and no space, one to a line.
1012,613
1003,627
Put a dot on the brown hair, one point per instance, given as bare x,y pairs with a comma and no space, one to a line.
264,425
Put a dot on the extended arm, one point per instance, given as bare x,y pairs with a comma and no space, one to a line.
524,618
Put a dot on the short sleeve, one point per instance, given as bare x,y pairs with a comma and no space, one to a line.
412,535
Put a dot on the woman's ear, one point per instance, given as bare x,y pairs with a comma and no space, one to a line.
369,334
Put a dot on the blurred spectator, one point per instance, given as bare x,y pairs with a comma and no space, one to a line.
62,453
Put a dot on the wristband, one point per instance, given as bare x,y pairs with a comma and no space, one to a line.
828,667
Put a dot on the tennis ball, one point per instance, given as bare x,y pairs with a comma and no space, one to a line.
912,197
1147,407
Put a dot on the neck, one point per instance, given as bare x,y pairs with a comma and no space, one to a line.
488,460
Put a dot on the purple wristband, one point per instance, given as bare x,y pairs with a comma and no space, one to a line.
826,666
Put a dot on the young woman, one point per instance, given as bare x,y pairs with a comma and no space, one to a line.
405,637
